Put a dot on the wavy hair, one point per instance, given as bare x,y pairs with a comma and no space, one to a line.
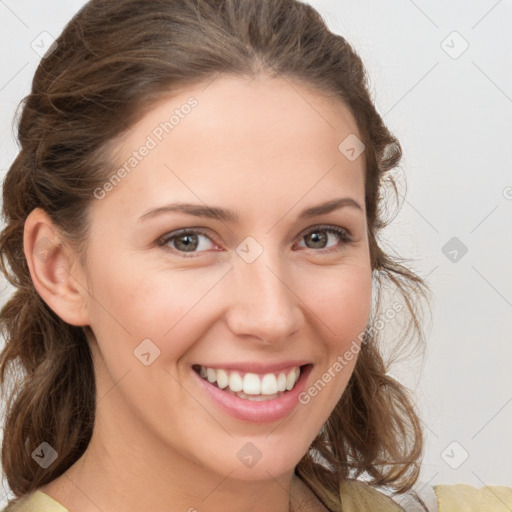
113,61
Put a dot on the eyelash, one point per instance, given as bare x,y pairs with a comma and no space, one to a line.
342,233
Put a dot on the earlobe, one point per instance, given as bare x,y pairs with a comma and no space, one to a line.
53,269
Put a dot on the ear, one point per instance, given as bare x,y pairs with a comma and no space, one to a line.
55,269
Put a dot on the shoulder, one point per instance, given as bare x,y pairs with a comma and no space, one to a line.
462,497
36,501
358,496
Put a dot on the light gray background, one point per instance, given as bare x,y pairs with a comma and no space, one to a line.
452,113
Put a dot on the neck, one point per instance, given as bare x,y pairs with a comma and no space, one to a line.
117,472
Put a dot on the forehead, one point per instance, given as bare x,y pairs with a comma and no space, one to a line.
234,138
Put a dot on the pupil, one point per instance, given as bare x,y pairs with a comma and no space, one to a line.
318,239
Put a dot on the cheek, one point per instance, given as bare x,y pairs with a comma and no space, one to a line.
341,305
342,301
132,303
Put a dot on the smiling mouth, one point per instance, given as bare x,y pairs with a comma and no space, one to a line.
251,386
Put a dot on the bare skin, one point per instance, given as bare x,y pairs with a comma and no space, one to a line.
265,150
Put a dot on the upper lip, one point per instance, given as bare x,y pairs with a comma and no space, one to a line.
254,367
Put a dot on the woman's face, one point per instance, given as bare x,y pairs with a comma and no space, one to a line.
217,247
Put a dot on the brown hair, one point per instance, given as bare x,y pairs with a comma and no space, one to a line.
113,60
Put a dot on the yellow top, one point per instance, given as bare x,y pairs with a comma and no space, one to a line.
356,497
37,501
492,498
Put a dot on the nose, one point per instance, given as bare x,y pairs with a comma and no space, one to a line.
263,303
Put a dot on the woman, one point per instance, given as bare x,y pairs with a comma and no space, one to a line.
192,228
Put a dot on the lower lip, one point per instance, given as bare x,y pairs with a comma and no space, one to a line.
257,412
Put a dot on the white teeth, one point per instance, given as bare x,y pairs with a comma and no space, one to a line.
281,382
222,379
211,375
290,380
235,382
251,384
269,384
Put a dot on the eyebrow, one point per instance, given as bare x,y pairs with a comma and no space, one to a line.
230,216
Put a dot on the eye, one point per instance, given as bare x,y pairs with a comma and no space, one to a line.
318,238
193,241
187,241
